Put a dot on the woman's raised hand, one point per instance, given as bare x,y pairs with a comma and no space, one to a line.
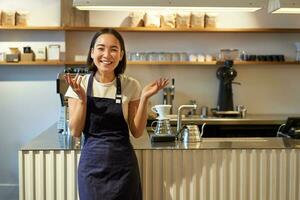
152,88
75,84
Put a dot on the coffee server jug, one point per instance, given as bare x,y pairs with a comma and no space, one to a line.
162,130
163,126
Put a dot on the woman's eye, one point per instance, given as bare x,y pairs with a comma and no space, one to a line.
114,50
101,49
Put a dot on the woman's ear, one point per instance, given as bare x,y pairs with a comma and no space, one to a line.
92,53
122,54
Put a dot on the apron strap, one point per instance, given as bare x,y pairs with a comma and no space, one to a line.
90,85
119,91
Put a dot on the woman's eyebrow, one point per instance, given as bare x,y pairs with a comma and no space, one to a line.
100,45
113,46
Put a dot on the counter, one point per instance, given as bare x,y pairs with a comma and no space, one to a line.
216,168
250,119
52,140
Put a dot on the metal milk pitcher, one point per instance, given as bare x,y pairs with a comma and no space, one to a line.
191,133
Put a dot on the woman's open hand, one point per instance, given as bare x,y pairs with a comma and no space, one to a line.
152,88
75,84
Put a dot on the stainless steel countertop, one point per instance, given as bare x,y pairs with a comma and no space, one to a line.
50,139
250,119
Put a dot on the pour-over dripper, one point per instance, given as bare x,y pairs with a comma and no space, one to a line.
162,110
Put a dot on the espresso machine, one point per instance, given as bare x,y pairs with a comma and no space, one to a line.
61,88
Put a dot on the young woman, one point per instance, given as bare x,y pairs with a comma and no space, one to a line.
105,105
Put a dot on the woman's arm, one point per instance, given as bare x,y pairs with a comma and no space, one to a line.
77,114
137,110
137,115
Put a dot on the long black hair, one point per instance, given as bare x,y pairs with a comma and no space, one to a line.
120,69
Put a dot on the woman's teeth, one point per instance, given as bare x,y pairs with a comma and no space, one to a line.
106,62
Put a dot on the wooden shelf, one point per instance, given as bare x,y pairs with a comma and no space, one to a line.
74,63
206,30
266,63
197,63
169,63
214,63
33,28
34,63
152,63
146,29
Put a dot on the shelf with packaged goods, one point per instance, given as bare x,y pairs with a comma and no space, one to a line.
42,63
152,63
33,28
266,63
70,63
150,29
204,30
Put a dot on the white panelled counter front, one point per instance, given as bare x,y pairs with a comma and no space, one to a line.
216,168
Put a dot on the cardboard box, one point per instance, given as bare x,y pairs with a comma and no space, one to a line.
21,18
27,57
40,54
8,18
12,58
80,58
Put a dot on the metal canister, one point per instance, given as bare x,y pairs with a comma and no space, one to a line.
242,110
204,112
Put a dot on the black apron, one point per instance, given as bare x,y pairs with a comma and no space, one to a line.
108,167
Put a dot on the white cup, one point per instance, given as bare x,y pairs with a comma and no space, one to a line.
162,110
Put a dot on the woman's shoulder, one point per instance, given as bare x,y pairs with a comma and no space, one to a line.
85,79
131,87
86,76
128,80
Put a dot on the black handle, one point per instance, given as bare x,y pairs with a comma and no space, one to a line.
180,132
237,83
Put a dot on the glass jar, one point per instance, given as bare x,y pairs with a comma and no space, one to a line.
175,57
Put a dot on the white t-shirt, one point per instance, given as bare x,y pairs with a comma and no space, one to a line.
131,90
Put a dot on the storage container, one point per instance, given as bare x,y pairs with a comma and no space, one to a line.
53,52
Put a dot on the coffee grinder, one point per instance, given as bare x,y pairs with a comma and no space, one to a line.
226,75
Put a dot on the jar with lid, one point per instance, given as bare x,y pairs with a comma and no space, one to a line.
153,56
175,57
183,57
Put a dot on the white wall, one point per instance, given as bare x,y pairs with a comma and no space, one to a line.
41,12
29,103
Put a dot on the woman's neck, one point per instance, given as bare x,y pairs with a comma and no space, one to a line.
104,77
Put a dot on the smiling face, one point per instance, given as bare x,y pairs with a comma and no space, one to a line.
106,53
